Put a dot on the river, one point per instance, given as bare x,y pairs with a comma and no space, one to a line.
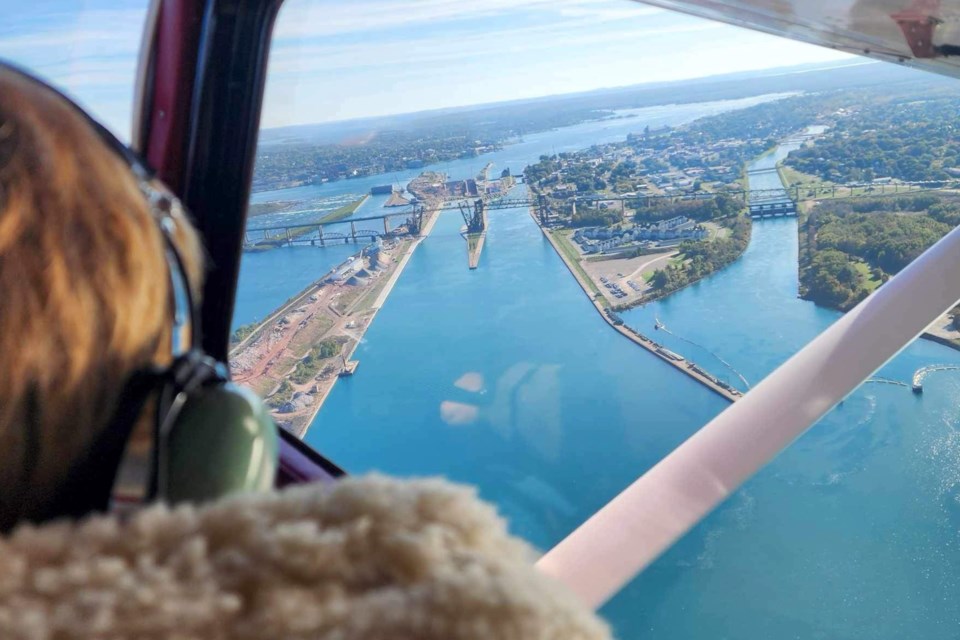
506,377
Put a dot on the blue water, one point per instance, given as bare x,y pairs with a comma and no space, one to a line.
506,377
268,279
519,385
852,533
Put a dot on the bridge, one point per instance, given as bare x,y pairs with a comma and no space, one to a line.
474,216
798,193
763,203
318,234
771,200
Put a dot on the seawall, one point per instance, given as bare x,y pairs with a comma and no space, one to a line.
638,338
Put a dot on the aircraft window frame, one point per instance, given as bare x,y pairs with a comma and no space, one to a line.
902,330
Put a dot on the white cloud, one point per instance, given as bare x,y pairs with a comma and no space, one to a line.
89,53
694,51
315,18
303,56
333,59
607,13
117,31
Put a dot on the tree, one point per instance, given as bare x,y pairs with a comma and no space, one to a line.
660,279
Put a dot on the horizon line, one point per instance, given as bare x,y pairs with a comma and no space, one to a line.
851,62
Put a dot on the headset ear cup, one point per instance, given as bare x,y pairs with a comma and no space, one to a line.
223,441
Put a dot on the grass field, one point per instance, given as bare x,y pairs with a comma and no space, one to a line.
869,281
573,256
344,212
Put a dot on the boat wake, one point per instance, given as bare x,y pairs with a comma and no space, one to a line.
662,327
879,380
923,372
918,375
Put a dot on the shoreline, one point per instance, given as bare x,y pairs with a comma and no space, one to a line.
654,298
947,342
690,369
801,221
271,359
432,215
926,335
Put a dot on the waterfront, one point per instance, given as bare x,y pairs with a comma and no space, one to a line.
856,521
852,533
507,378
640,337
269,278
527,150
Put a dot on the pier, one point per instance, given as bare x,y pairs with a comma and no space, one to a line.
671,358
332,307
475,229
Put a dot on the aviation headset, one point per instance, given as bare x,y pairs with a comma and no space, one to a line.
211,437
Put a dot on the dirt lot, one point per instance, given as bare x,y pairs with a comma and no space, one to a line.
621,271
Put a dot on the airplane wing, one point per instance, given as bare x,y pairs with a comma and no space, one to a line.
924,34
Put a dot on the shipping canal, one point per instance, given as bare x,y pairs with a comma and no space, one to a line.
506,377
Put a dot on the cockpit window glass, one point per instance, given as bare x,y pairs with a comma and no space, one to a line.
534,246
87,49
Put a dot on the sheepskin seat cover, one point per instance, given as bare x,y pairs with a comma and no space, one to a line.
364,558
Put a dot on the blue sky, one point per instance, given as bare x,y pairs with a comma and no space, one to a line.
333,60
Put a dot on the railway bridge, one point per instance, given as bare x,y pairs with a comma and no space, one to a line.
320,233
761,203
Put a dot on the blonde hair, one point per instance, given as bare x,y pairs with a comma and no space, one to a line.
85,285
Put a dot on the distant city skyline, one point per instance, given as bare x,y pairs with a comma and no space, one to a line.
335,61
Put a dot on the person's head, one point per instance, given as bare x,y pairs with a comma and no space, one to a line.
86,298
